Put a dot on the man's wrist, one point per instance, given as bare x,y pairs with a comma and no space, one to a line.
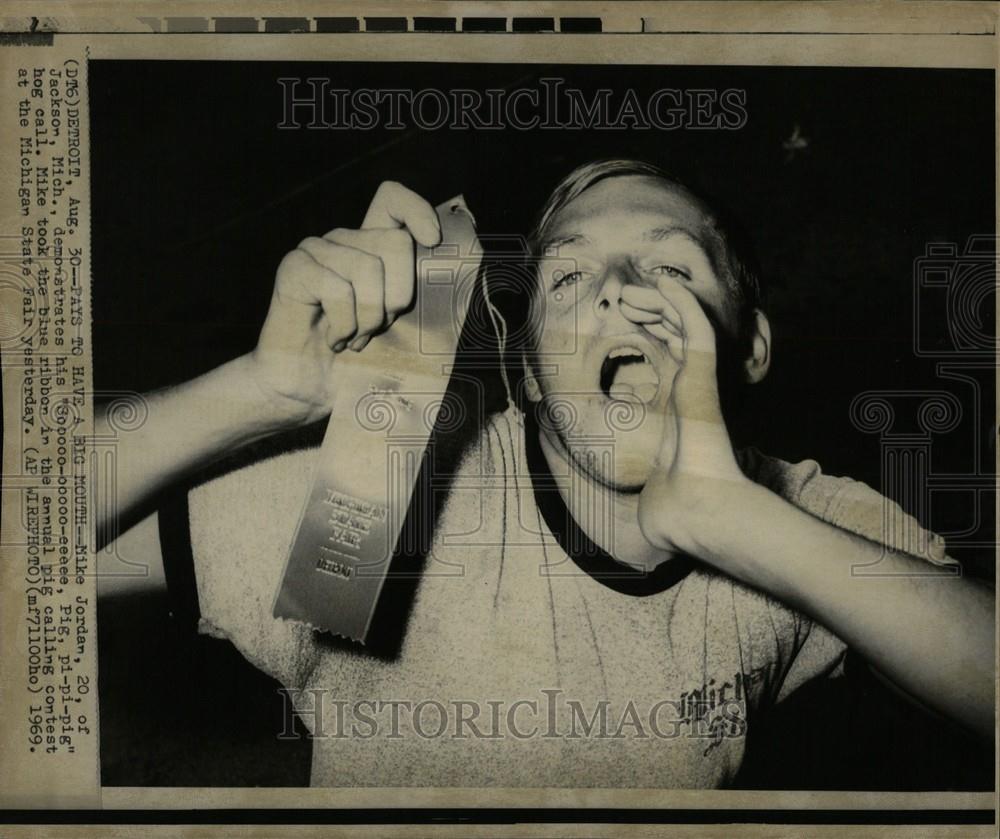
751,537
723,518
245,411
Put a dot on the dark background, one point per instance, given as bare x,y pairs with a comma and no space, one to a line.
197,195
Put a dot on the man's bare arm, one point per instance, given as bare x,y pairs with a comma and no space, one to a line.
931,635
331,294
186,428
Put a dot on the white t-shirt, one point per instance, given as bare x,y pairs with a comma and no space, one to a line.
520,669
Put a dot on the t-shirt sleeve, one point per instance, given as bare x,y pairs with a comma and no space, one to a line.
856,507
242,525
849,504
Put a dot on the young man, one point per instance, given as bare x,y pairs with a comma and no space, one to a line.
613,592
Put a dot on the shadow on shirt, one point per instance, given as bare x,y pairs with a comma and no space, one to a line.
852,733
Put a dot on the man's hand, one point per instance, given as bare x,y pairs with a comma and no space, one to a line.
695,469
930,635
332,294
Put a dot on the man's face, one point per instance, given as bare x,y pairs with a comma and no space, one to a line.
604,381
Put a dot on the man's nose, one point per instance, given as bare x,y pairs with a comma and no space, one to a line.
609,293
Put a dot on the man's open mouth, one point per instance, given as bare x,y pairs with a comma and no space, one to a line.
628,375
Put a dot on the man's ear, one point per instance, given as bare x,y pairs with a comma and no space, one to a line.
755,367
531,388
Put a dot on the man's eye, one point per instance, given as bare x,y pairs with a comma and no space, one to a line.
669,271
561,278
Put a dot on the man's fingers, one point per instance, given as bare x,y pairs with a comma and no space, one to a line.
359,279
396,206
673,341
673,314
395,249
644,317
697,328
637,315
646,305
364,272
339,309
305,286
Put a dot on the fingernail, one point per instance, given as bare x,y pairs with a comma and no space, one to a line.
339,346
358,344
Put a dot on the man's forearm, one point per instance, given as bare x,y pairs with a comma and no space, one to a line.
931,634
186,427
